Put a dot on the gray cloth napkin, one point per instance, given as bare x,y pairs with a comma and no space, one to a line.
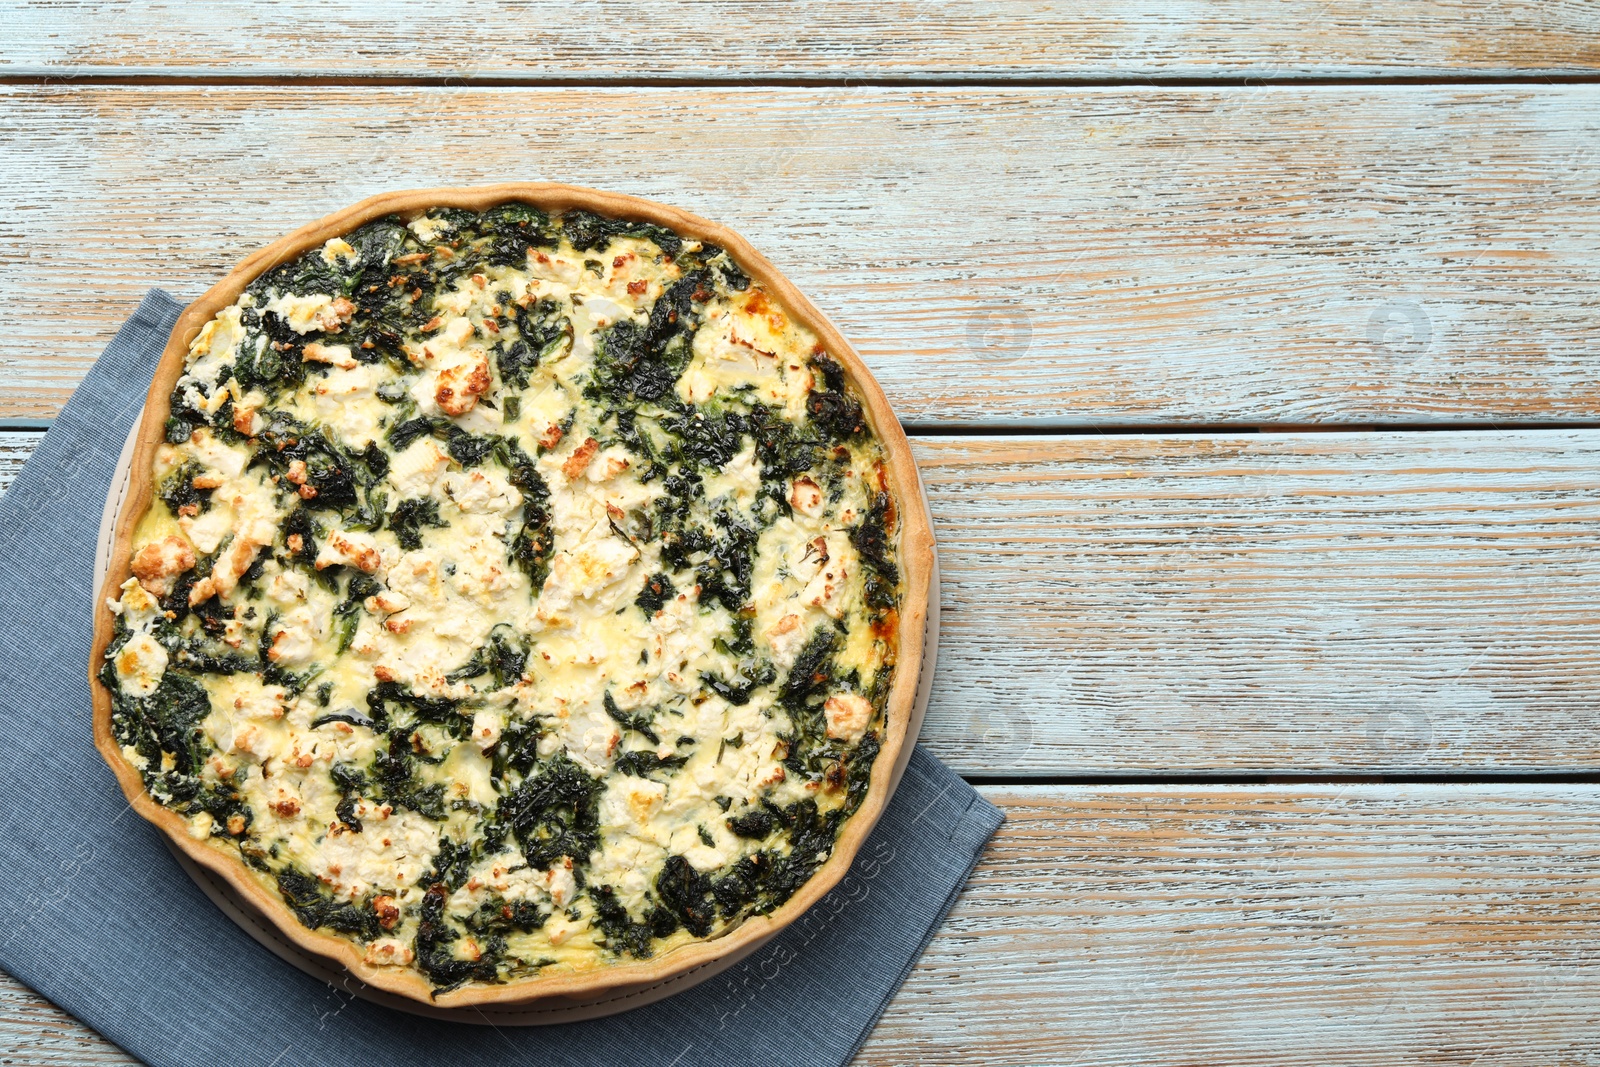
98,917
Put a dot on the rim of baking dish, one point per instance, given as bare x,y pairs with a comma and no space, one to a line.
915,553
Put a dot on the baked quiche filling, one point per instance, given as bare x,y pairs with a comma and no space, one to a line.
519,592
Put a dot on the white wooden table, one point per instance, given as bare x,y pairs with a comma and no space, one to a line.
1252,354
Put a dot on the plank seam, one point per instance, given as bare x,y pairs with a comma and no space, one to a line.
986,79
1334,778
1194,429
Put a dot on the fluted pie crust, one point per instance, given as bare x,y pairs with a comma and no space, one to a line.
914,555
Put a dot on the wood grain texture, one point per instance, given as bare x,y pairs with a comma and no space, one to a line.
15,448
1083,257
1304,927
1369,925
36,1033
1275,603
1263,603
546,39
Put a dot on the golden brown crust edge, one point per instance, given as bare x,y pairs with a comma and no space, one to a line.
916,557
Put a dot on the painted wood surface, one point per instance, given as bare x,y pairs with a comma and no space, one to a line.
1280,603
1275,927
913,38
15,448
1207,925
1050,254
1060,256
36,1033
1261,603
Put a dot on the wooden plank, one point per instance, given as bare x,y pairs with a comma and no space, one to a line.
919,38
1085,257
1273,603
1369,925
36,1033
1314,925
15,448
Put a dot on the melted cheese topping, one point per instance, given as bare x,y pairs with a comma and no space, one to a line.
519,594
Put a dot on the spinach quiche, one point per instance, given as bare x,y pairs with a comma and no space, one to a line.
520,592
